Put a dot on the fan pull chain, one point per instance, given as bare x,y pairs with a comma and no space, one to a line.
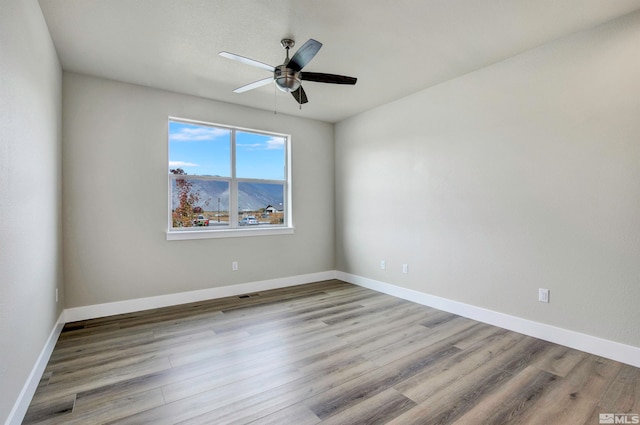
275,100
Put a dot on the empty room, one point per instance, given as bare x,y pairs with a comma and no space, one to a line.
319,212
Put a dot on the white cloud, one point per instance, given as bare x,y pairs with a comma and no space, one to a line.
274,143
178,164
197,134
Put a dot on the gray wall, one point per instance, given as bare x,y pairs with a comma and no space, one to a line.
522,175
30,230
115,197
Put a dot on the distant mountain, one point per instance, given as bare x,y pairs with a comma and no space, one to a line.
251,196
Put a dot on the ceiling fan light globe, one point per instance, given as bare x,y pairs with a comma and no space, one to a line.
287,84
286,79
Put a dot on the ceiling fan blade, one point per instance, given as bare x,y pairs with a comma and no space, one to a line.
300,95
321,77
304,54
247,61
254,85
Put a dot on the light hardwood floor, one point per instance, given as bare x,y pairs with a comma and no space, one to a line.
327,353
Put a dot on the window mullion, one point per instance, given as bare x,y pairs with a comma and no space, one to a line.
233,187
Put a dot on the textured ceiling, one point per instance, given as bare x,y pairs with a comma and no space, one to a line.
394,47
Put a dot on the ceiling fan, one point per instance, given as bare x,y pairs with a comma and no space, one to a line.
288,77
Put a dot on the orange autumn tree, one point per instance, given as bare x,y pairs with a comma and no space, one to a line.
183,215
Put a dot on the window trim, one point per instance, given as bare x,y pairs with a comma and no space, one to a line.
234,230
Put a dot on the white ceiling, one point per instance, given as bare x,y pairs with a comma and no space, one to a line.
393,47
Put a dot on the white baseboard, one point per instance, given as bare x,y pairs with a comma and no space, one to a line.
594,345
129,306
29,389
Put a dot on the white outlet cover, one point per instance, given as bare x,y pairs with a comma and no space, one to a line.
543,295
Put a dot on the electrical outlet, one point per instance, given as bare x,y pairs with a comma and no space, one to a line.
543,295
405,268
383,265
234,266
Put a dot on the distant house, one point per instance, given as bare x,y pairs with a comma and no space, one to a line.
270,209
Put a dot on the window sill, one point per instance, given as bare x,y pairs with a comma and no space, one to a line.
226,233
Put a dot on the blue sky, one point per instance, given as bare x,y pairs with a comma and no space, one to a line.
204,150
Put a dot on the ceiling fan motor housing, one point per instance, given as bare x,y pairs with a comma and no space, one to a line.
286,79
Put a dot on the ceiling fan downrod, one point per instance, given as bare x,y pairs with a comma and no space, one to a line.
287,79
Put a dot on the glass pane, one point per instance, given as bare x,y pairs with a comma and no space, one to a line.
260,156
260,204
199,149
197,203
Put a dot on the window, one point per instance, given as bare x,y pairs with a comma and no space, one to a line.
226,181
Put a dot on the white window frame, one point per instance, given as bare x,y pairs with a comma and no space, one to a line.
234,230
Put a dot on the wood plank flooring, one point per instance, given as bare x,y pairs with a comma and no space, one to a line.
323,353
